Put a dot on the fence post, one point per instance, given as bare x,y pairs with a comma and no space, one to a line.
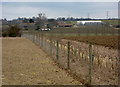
29,35
39,38
36,37
51,46
42,40
68,56
90,63
33,37
92,59
57,51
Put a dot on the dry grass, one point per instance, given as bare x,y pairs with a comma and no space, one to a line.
25,63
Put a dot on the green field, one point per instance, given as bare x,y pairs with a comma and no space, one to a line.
111,22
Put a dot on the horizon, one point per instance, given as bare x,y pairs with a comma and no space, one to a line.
96,10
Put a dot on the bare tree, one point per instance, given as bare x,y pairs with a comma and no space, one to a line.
41,21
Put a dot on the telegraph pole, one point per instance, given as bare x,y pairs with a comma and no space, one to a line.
88,15
107,16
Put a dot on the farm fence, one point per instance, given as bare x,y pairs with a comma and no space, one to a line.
92,64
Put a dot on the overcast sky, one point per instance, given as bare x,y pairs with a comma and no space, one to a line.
11,10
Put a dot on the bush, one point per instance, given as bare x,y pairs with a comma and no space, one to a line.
37,28
13,31
4,34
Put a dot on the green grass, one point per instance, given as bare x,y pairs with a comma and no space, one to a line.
71,22
112,22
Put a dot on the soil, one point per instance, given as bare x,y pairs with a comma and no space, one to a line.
107,41
24,63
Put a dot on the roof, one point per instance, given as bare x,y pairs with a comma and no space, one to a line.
29,23
83,22
65,24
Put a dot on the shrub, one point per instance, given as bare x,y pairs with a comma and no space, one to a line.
12,31
4,34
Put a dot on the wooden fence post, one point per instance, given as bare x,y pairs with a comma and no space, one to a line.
33,37
36,37
68,55
90,63
39,39
51,46
57,51
42,40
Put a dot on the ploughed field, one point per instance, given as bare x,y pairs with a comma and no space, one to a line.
108,41
104,36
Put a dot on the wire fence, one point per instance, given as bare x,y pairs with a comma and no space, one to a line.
92,64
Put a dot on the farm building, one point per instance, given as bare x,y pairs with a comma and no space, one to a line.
90,23
63,24
27,25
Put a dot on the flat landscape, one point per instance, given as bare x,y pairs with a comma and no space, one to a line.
107,41
60,43
24,63
104,40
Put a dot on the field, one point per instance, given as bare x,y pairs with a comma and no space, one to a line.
100,35
108,41
111,41
113,22
76,56
24,63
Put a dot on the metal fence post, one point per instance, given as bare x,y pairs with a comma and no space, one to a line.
68,56
90,63
57,51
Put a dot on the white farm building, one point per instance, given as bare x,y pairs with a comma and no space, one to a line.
90,23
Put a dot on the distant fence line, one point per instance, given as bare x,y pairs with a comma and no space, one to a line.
96,65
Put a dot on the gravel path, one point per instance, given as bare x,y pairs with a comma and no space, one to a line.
24,63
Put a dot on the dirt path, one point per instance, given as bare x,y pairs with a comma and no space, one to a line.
25,63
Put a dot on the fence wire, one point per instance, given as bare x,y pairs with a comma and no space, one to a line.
93,64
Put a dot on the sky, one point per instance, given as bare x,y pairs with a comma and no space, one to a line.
13,10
